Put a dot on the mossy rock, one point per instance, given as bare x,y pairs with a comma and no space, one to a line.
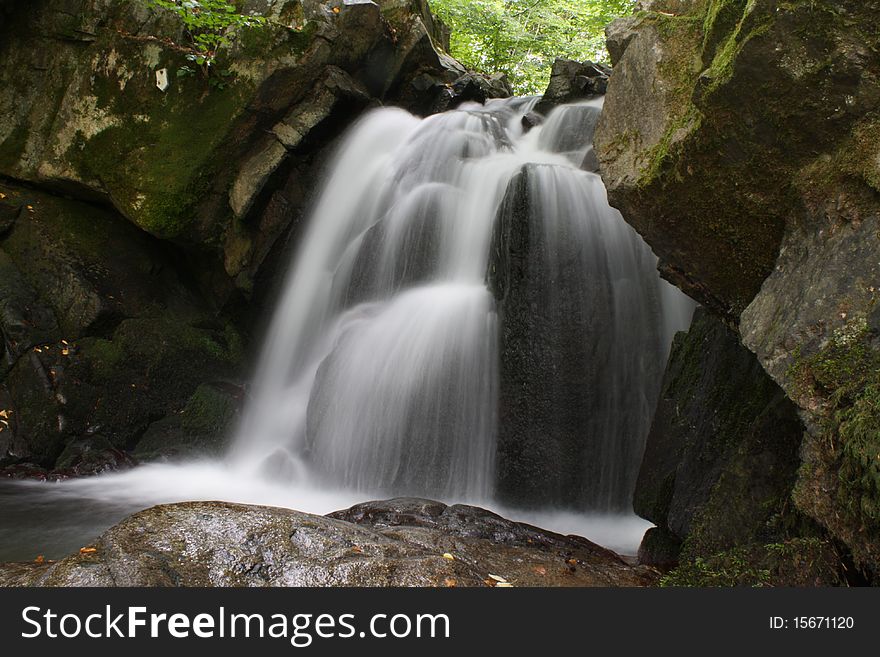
149,368
721,465
723,433
700,140
794,563
202,427
90,266
740,139
841,382
82,114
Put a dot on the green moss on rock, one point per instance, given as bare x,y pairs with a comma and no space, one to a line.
162,160
209,411
841,383
798,562
148,369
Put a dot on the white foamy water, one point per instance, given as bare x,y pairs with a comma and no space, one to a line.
56,519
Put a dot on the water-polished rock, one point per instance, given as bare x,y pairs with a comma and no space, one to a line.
401,542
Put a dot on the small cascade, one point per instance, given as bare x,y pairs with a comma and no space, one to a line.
402,360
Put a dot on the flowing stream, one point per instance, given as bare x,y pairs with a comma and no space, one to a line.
408,326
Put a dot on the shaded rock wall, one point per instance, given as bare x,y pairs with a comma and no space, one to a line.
740,139
720,465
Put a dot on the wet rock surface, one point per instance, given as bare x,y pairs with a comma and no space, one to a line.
562,342
400,542
571,81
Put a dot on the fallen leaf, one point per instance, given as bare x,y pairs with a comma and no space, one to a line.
65,352
489,582
358,549
573,562
336,10
504,585
87,550
497,578
450,582
448,556
540,570
4,414
40,559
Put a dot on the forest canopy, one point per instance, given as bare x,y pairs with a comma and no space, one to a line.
522,37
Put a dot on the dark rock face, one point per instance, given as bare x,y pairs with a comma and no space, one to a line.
470,87
394,543
715,400
740,139
103,335
572,81
678,126
8,214
569,347
544,398
722,456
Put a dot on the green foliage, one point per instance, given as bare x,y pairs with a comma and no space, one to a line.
210,25
522,37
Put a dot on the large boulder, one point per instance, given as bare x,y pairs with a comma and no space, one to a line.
740,139
399,542
580,352
572,81
717,406
721,462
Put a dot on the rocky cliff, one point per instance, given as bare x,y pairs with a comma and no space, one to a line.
140,227
741,139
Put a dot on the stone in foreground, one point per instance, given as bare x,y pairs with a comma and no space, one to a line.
400,542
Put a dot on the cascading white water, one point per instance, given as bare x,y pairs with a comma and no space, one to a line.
380,371
391,359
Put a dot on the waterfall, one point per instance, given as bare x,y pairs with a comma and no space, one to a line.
466,319
399,361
